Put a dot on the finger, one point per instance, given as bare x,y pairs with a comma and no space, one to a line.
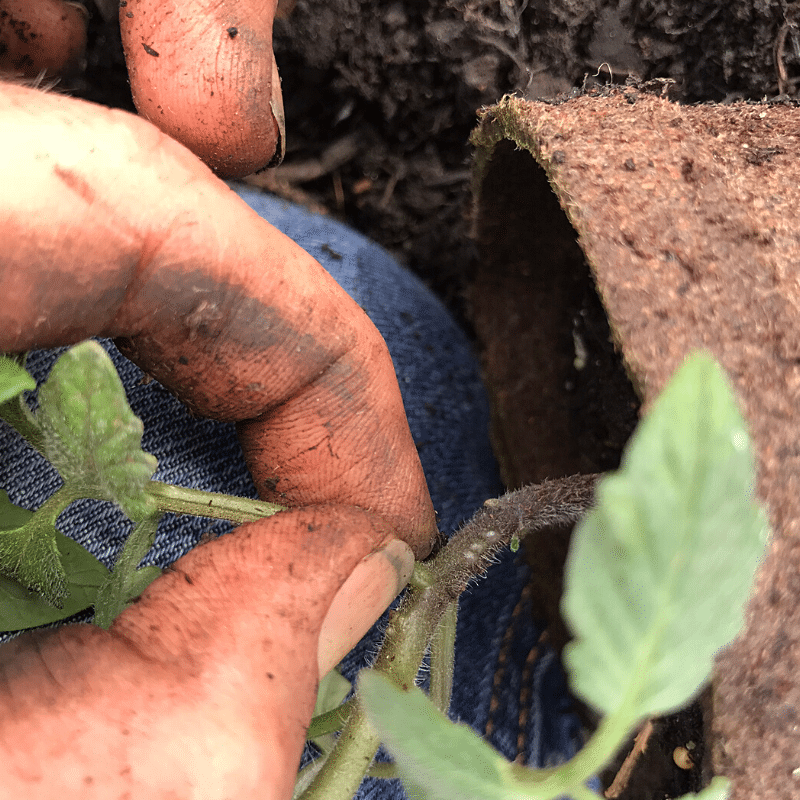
41,36
204,73
113,229
204,688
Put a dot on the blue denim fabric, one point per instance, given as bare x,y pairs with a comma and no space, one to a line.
499,658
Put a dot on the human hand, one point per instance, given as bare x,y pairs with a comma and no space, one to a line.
203,72
204,687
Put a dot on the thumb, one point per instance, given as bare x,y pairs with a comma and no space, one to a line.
205,687
365,595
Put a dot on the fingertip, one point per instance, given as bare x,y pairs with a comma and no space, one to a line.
45,36
205,74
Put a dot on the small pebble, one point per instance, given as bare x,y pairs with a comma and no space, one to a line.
682,758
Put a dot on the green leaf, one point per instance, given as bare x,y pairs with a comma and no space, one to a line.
14,379
332,690
437,759
91,435
30,556
127,582
660,570
21,608
11,516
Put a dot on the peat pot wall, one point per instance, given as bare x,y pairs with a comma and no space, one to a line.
686,219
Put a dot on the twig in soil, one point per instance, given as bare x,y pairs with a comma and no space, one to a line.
390,187
623,776
779,51
518,58
790,26
336,155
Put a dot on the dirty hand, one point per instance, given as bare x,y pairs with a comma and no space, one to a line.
204,687
201,71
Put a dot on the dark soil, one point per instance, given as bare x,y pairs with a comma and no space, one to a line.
381,98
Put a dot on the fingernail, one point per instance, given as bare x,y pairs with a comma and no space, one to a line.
276,106
364,596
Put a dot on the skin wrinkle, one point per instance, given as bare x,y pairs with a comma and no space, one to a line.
84,636
253,399
343,381
75,183
184,634
291,399
63,318
8,691
250,329
142,272
43,660
285,485
143,653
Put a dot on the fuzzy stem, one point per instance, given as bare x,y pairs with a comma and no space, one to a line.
17,414
471,551
435,588
177,499
49,511
198,503
347,764
442,657
331,721
383,769
408,633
